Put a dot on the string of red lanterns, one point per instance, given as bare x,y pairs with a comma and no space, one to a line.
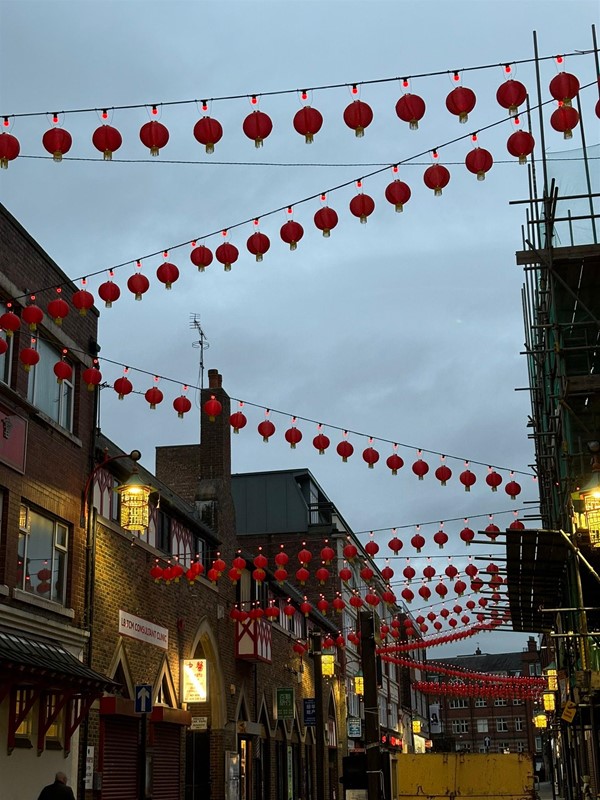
307,121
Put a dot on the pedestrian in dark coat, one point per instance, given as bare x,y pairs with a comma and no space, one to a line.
57,790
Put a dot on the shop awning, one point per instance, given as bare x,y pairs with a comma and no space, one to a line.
536,576
30,661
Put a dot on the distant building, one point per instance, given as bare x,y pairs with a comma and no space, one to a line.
486,725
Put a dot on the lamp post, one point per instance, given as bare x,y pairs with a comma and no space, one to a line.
319,715
371,705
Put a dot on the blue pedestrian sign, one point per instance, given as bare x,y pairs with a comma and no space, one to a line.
143,698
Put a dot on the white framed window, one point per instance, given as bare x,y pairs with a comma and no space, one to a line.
480,702
504,747
518,702
460,726
519,724
538,744
501,724
521,747
53,398
42,556
501,701
482,726
458,702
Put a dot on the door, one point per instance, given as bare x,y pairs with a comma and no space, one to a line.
197,765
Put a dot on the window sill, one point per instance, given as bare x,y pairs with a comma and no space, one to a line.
4,590
39,602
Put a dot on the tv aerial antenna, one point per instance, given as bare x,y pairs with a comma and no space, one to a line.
201,344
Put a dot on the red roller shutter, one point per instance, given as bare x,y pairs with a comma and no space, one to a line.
119,758
166,771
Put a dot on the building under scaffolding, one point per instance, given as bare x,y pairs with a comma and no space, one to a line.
554,586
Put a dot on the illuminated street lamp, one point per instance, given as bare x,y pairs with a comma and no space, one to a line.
587,499
134,494
549,701
540,721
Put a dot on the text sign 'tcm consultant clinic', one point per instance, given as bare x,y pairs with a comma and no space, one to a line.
143,630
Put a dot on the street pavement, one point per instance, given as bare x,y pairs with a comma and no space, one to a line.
545,792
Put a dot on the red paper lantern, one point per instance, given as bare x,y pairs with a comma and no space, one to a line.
234,575
305,608
257,126
237,420
29,357
477,584
321,443
58,309
411,108
322,575
213,408
429,572
138,284
92,377
259,575
167,273
451,571
289,610
63,371
345,574
493,480
340,641
107,139
344,449
155,136
57,141
304,556
418,542
371,548
394,462
239,563
564,119
397,193
441,589
208,132
83,301
564,87
440,538
219,565
327,554
156,572
395,545
356,601
32,315
10,323
425,592
308,122
281,558
258,244
407,594
266,429
460,102
154,396
350,552
468,479
370,456
362,206
291,232
293,436
467,535
460,587
358,116
272,613
387,573
9,149
201,257
436,177
443,474
510,95
326,219
298,648
109,292
520,144
323,607
512,489
123,386
471,570
227,254
182,405
517,525
479,161
420,468
372,599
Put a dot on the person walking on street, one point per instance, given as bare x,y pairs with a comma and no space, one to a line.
57,790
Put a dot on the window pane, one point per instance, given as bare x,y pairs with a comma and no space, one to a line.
40,547
54,399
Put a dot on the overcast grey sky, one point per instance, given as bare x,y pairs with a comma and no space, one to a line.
408,328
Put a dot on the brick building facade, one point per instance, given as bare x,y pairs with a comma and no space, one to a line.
44,687
485,724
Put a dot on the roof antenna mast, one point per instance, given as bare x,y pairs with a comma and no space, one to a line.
202,344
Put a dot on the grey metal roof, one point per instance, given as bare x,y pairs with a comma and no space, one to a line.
30,656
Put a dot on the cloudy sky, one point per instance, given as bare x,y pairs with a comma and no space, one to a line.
407,329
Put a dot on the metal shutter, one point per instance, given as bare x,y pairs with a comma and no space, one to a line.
166,749
119,758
